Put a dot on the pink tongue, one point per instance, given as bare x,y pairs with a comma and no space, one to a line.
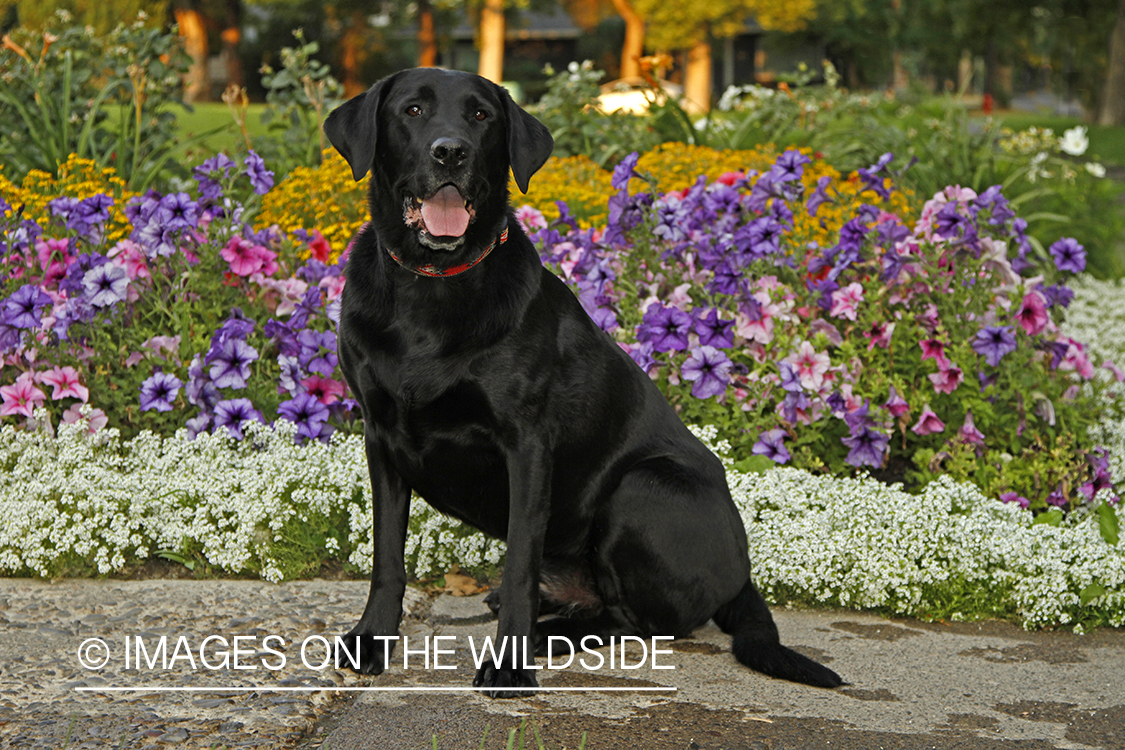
445,214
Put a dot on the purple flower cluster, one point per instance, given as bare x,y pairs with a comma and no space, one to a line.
712,291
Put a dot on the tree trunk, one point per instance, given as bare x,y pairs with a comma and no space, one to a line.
634,47
352,43
492,41
1113,95
194,32
231,36
427,41
697,78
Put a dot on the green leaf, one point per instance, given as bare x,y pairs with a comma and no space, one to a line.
1053,517
1091,592
754,465
1107,523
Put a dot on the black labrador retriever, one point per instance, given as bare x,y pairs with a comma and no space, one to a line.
486,388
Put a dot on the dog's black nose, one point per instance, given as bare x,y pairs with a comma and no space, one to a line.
450,152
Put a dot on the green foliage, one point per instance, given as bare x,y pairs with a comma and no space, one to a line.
570,111
109,98
298,98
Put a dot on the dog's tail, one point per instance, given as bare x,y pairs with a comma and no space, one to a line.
756,643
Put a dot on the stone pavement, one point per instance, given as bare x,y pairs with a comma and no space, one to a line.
913,684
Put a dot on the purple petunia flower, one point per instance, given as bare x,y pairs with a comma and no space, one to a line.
159,391
790,377
1057,294
641,353
260,178
105,285
624,171
993,342
868,447
197,424
1069,255
1013,497
233,412
231,366
666,327
771,444
713,330
95,209
709,370
896,404
177,211
23,309
209,173
311,357
819,196
305,411
789,166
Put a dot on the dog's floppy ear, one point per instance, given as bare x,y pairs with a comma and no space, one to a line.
353,127
529,142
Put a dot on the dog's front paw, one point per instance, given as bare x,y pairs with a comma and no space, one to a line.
497,680
374,654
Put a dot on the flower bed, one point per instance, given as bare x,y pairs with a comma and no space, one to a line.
812,318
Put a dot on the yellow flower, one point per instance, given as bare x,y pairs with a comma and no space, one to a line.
79,179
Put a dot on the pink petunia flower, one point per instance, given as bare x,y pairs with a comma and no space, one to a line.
1032,315
1077,360
810,366
244,256
896,404
130,255
530,218
22,397
846,301
880,335
95,422
65,384
933,348
1118,375
947,379
324,390
334,285
969,432
928,423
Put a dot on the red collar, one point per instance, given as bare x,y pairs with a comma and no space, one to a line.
440,273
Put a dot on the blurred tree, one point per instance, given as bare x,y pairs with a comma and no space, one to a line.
686,24
1113,95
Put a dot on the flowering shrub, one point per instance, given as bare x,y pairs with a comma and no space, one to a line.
913,351
192,316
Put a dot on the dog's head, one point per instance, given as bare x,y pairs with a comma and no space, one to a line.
439,144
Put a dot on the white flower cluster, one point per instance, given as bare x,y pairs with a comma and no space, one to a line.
94,497
861,543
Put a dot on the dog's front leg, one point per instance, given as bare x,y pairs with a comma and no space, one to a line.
529,472
381,616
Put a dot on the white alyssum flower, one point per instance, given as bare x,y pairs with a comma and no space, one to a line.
1096,169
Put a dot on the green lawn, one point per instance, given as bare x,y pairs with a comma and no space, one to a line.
207,116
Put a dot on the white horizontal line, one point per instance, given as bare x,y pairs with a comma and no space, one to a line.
427,688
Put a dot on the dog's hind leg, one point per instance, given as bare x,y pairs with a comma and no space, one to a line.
757,645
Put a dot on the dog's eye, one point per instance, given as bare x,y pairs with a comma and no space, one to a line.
481,115
414,110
